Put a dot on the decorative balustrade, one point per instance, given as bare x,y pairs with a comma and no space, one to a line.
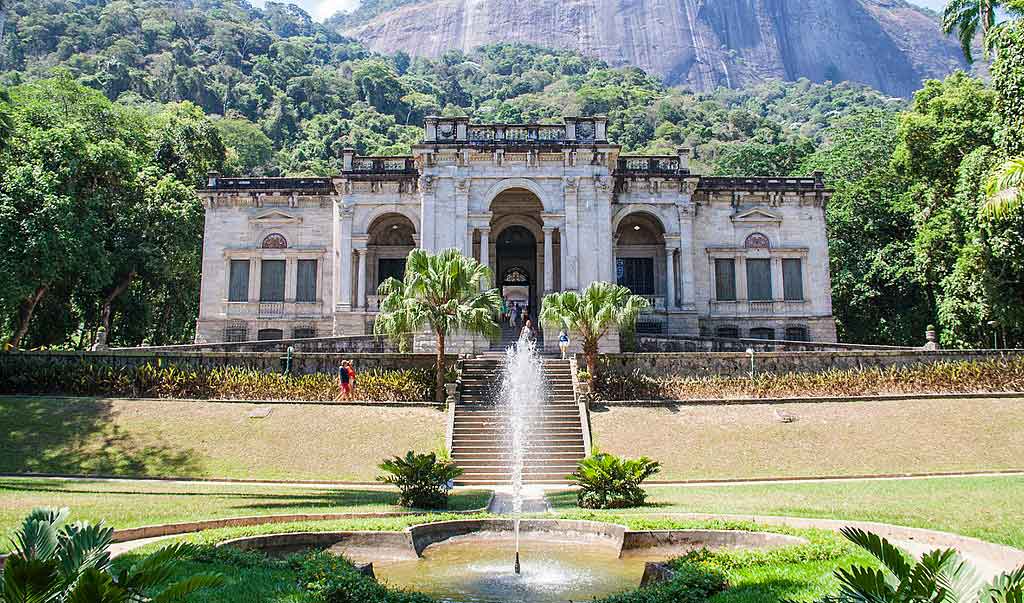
218,183
758,308
273,310
514,135
383,165
650,165
817,182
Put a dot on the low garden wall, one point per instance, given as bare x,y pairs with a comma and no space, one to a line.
737,364
303,363
349,344
697,343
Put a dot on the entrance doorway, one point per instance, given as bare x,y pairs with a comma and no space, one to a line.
516,253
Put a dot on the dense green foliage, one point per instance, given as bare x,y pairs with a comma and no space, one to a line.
57,562
996,375
423,480
329,578
607,481
690,583
42,376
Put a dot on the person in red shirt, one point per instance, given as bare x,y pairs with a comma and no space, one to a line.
351,377
344,381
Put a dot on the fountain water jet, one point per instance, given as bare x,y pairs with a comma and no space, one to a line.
522,397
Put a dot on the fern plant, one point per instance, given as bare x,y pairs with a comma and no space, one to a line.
423,481
55,562
940,576
609,482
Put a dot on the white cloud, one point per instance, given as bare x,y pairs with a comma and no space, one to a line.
320,9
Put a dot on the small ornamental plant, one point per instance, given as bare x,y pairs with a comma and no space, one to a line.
423,480
607,481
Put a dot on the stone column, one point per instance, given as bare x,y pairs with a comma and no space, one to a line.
569,248
254,279
290,279
670,278
485,249
344,268
549,266
686,250
361,301
778,290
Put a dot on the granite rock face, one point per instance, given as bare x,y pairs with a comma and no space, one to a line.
887,44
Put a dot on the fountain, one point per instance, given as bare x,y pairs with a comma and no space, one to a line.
522,397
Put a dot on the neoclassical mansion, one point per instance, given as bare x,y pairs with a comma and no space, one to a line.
547,207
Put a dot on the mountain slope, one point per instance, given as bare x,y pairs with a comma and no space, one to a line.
887,44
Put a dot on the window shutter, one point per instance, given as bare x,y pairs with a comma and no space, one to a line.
238,287
725,280
792,280
272,281
305,287
759,280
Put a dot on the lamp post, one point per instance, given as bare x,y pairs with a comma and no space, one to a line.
750,351
995,333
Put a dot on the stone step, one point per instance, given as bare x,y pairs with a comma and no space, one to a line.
486,448
529,454
532,465
560,444
501,432
504,478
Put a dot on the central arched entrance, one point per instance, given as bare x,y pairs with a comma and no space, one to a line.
516,251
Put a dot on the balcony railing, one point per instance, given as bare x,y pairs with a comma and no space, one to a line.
273,310
758,308
650,165
217,183
383,165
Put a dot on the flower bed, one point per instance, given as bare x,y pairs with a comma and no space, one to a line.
33,376
980,376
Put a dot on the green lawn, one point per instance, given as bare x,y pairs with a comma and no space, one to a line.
827,438
126,505
984,507
173,438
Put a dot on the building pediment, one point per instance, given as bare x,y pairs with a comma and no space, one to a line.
275,217
757,215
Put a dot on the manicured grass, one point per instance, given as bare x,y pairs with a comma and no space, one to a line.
984,507
834,438
171,438
125,505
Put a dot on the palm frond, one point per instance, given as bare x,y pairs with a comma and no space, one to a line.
1004,189
890,556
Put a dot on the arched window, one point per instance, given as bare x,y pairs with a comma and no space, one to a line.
797,334
236,332
270,334
762,333
757,241
727,332
275,241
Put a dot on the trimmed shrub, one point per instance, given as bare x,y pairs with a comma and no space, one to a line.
610,482
333,579
423,481
993,375
692,583
37,376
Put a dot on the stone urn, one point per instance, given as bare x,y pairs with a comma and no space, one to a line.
583,387
449,388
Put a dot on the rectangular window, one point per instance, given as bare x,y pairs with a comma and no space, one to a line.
636,274
725,280
759,280
305,285
792,280
272,281
390,268
238,288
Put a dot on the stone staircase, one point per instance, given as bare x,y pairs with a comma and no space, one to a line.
510,335
480,440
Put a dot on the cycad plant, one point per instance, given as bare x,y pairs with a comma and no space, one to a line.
592,313
56,562
940,576
423,481
441,292
609,482
1005,189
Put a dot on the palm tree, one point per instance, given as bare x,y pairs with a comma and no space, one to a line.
1005,189
441,292
54,562
592,313
940,576
966,17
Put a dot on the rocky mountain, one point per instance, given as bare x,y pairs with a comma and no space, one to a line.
887,44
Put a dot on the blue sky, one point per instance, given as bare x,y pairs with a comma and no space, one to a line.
321,9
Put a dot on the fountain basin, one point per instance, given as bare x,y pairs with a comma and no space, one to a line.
471,560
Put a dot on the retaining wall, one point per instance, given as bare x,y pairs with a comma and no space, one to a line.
302,362
348,345
697,343
734,364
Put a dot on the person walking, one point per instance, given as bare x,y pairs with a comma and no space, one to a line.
528,332
563,343
351,378
344,381
504,310
513,316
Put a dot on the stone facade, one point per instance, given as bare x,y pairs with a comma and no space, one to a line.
548,207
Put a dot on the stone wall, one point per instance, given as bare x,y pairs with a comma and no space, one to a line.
732,364
302,362
697,343
352,344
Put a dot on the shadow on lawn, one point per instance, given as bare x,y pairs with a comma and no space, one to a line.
80,437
